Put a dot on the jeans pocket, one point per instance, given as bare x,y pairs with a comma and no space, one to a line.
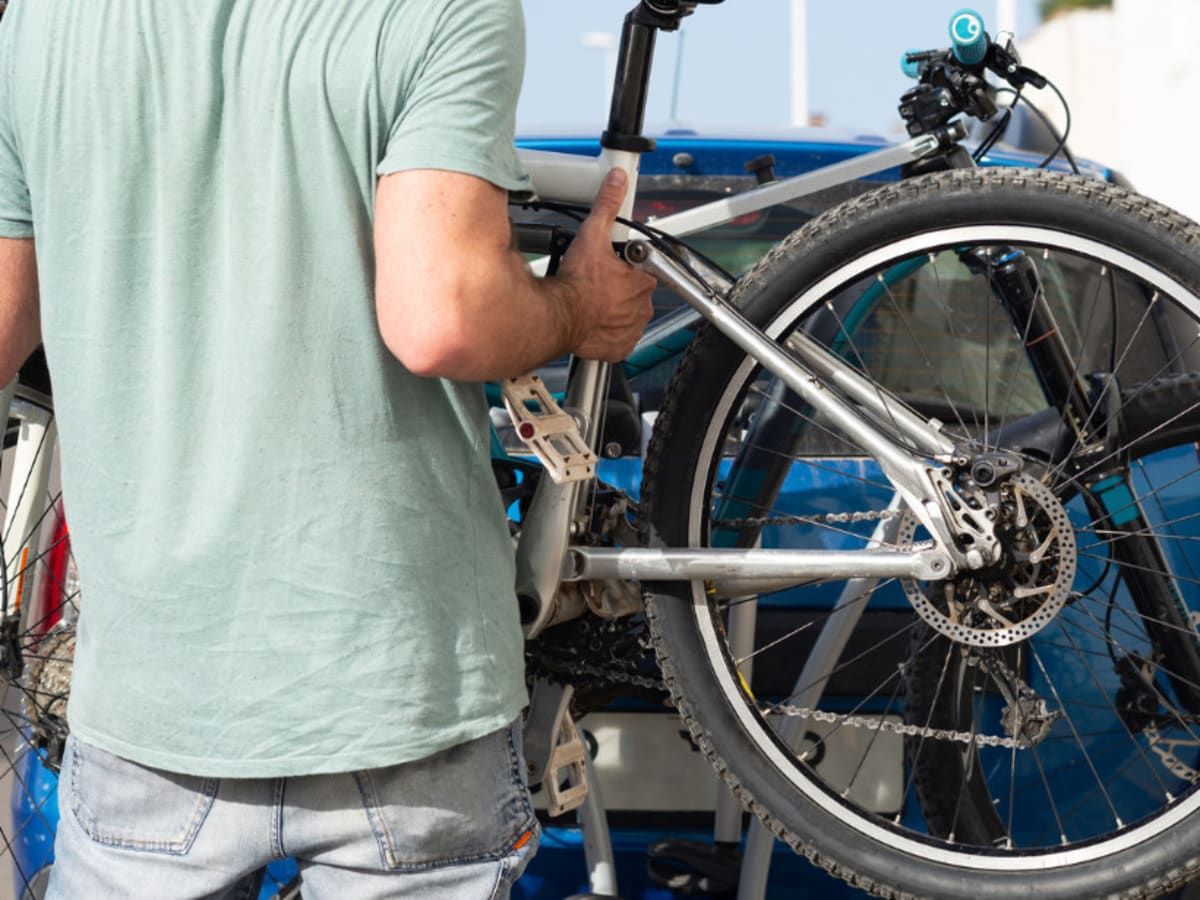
122,804
461,805
514,865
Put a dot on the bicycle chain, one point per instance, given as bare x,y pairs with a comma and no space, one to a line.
619,676
818,715
615,676
940,734
826,519
937,734
881,724
565,662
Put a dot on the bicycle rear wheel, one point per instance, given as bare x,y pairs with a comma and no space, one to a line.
1028,728
38,612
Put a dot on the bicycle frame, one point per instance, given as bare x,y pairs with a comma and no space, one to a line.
544,558
913,452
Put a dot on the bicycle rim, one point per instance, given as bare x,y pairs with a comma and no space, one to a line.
40,609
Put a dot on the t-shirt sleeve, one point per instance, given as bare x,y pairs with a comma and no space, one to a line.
16,215
459,109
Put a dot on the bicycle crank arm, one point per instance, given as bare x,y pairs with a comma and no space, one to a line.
737,573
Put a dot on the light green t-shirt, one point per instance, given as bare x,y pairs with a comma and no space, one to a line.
292,551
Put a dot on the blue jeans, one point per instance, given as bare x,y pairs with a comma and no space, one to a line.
457,825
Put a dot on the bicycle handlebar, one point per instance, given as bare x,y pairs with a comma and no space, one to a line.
953,80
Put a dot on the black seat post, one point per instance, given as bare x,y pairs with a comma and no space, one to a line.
635,58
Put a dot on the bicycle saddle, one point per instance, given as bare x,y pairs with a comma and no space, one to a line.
675,7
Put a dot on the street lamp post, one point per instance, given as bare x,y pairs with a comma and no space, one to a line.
799,62
606,43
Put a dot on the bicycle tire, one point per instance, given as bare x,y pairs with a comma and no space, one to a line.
37,629
910,237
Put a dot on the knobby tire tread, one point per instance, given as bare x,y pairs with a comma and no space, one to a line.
864,222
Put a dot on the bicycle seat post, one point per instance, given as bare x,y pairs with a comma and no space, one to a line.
635,57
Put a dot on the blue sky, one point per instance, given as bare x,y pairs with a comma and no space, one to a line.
735,61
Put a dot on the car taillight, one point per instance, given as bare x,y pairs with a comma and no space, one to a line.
60,584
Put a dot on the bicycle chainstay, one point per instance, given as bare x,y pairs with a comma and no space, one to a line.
574,666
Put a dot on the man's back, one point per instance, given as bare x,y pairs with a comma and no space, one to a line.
269,512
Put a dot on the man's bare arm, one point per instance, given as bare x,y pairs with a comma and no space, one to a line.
455,300
20,327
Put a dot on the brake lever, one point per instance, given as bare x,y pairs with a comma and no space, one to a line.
1003,60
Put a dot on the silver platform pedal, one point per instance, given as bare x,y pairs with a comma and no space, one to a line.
550,434
555,753
566,774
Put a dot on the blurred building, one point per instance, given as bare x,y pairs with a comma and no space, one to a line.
1132,77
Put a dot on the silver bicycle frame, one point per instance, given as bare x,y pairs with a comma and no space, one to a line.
544,557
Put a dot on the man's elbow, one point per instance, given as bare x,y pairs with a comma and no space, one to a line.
430,359
438,347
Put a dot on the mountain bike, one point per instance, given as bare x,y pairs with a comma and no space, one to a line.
915,538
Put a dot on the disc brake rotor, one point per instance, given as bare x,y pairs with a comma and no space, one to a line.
1014,599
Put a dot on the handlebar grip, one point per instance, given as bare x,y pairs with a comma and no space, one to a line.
968,39
910,67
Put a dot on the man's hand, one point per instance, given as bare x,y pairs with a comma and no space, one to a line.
455,300
612,299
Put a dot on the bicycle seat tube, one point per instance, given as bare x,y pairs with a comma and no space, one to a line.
558,509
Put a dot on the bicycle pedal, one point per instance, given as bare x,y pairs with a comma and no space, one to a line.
566,777
550,434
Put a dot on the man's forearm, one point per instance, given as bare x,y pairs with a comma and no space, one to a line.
455,300
500,322
20,326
